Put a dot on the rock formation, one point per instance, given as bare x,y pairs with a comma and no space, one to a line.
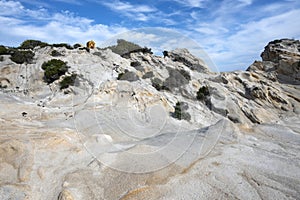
118,129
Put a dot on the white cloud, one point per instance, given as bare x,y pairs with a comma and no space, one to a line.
191,3
233,35
10,8
52,27
210,29
135,12
241,48
76,2
127,7
246,2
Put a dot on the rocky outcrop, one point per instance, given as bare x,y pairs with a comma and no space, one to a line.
281,57
189,60
143,126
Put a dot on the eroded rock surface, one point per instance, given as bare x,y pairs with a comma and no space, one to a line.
107,137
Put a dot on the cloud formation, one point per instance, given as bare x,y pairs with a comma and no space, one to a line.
52,27
137,12
232,32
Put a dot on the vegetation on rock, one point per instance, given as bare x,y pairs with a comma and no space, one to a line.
63,45
68,81
165,53
53,69
180,111
77,45
20,56
3,50
55,53
31,44
202,93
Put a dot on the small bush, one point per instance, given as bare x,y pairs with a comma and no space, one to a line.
180,111
75,46
68,81
165,53
63,45
31,44
202,93
54,69
3,50
55,53
275,41
128,76
21,57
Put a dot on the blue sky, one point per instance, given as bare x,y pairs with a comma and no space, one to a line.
232,32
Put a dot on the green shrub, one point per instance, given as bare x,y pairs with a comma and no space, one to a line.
53,69
165,53
3,50
63,45
202,93
75,46
55,53
31,44
180,111
275,41
68,81
21,57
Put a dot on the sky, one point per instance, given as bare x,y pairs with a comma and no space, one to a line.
232,33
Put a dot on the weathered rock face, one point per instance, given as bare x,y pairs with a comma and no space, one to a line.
283,58
111,134
185,57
